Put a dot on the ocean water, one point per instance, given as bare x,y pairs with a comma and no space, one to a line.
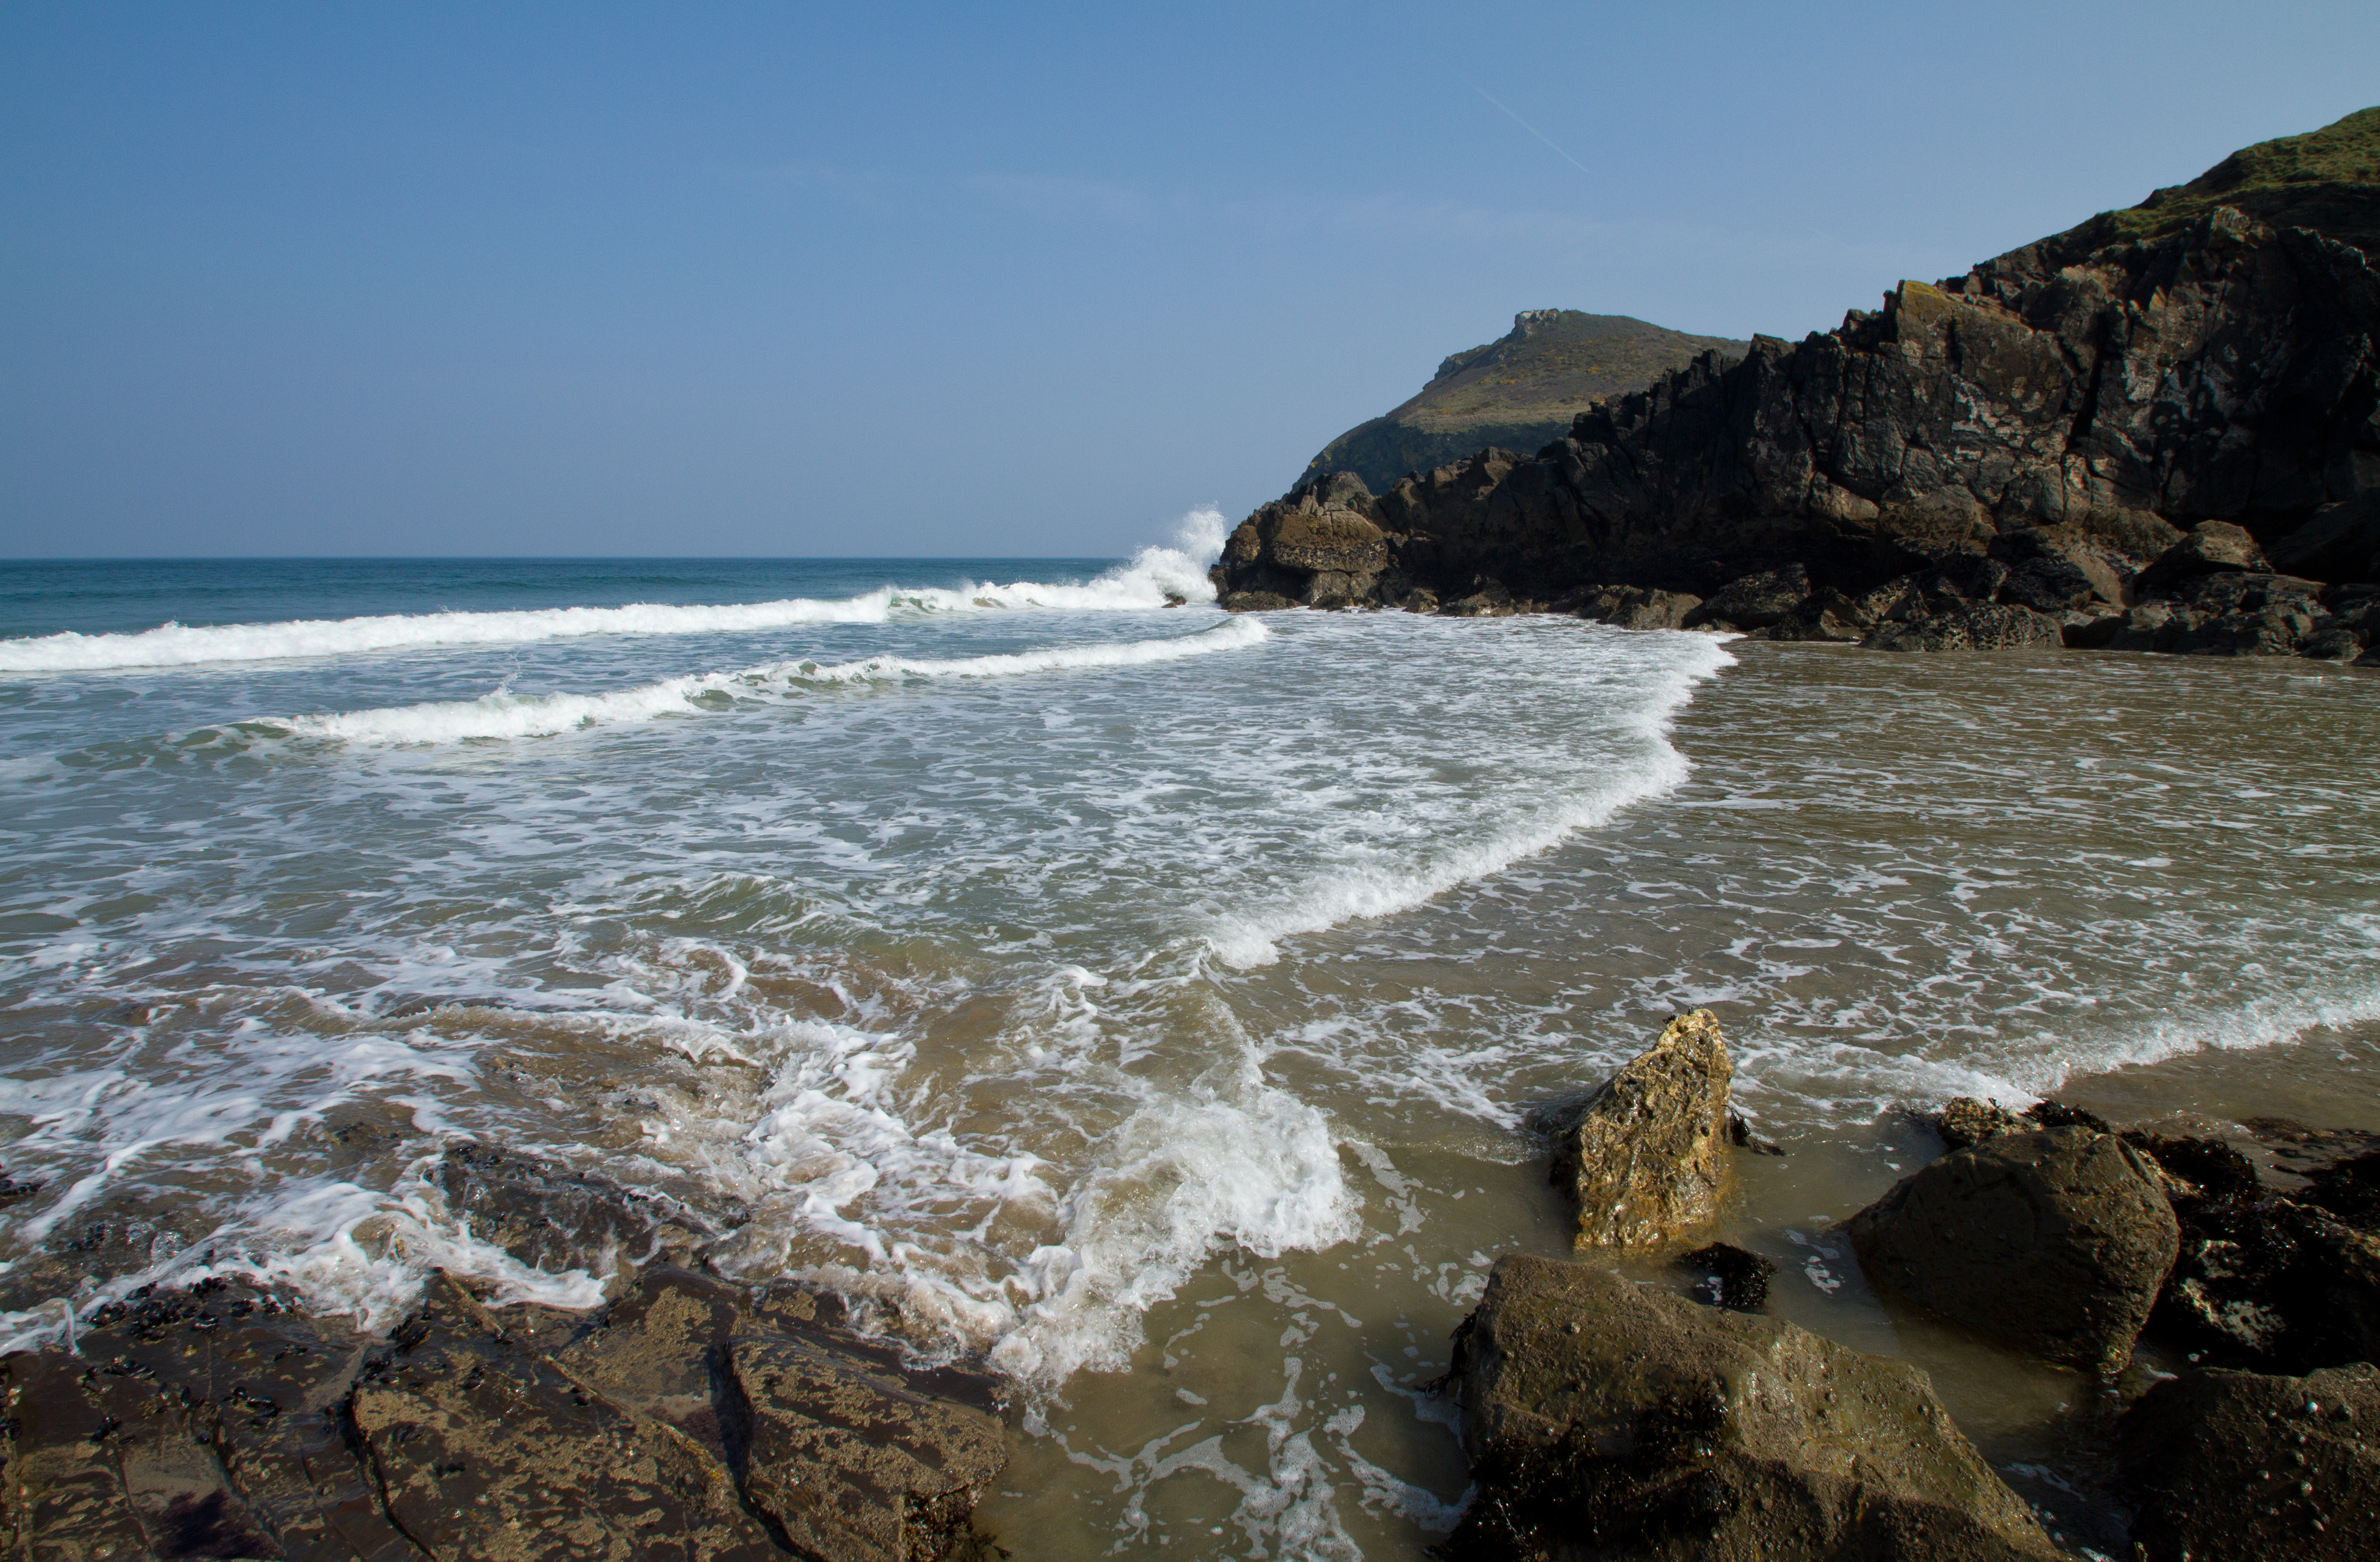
1153,1002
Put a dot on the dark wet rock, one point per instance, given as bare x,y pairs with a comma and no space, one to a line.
1740,1134
689,1418
1255,602
2057,1114
1757,600
12,1190
1487,598
2098,420
2055,1241
1645,1156
1609,1420
2209,548
1732,1277
555,1220
1319,546
2339,542
210,1420
121,1235
2347,1190
1965,1121
2261,1281
2199,1168
1629,607
2234,1464
1958,623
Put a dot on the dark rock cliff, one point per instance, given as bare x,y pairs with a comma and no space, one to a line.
2171,443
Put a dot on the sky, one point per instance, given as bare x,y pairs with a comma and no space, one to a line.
971,281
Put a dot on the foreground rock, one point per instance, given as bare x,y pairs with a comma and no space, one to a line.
2145,435
1646,1156
2232,1464
2057,1242
689,1419
1608,1420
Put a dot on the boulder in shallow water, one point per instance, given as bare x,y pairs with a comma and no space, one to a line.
2234,1464
1610,1420
2056,1242
1646,1156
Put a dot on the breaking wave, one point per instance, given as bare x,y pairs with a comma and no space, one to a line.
1153,578
521,716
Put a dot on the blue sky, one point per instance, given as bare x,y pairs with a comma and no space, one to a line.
338,278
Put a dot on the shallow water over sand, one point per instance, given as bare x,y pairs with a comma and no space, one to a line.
1156,1001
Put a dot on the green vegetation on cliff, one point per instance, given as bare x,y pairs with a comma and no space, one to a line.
2327,180
1520,393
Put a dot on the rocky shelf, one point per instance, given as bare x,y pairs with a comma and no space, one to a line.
688,1417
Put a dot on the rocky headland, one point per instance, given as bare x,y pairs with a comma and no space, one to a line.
2158,430
1519,391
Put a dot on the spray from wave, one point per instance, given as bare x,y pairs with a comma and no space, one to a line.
521,716
1152,578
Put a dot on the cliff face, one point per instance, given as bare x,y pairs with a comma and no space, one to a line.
1520,389
2013,456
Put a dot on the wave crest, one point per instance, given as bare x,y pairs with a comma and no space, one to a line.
522,716
1151,578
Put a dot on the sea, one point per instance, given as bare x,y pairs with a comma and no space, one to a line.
1159,1005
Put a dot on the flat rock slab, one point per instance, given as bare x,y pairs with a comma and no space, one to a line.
2234,1464
692,1419
1609,1420
2056,1242
1646,1156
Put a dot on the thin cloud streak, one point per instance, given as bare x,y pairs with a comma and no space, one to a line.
1530,128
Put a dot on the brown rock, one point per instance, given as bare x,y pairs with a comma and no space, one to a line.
1608,1420
1646,1155
2057,1242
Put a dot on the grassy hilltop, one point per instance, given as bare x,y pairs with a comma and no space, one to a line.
1520,393
2327,180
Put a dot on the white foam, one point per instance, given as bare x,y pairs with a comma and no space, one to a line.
1384,886
1153,577
1231,1163
520,716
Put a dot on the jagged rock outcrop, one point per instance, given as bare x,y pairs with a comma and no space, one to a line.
2056,1241
1610,1420
1646,1156
2031,453
2233,1464
689,1418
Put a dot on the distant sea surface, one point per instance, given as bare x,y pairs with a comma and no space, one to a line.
1153,999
